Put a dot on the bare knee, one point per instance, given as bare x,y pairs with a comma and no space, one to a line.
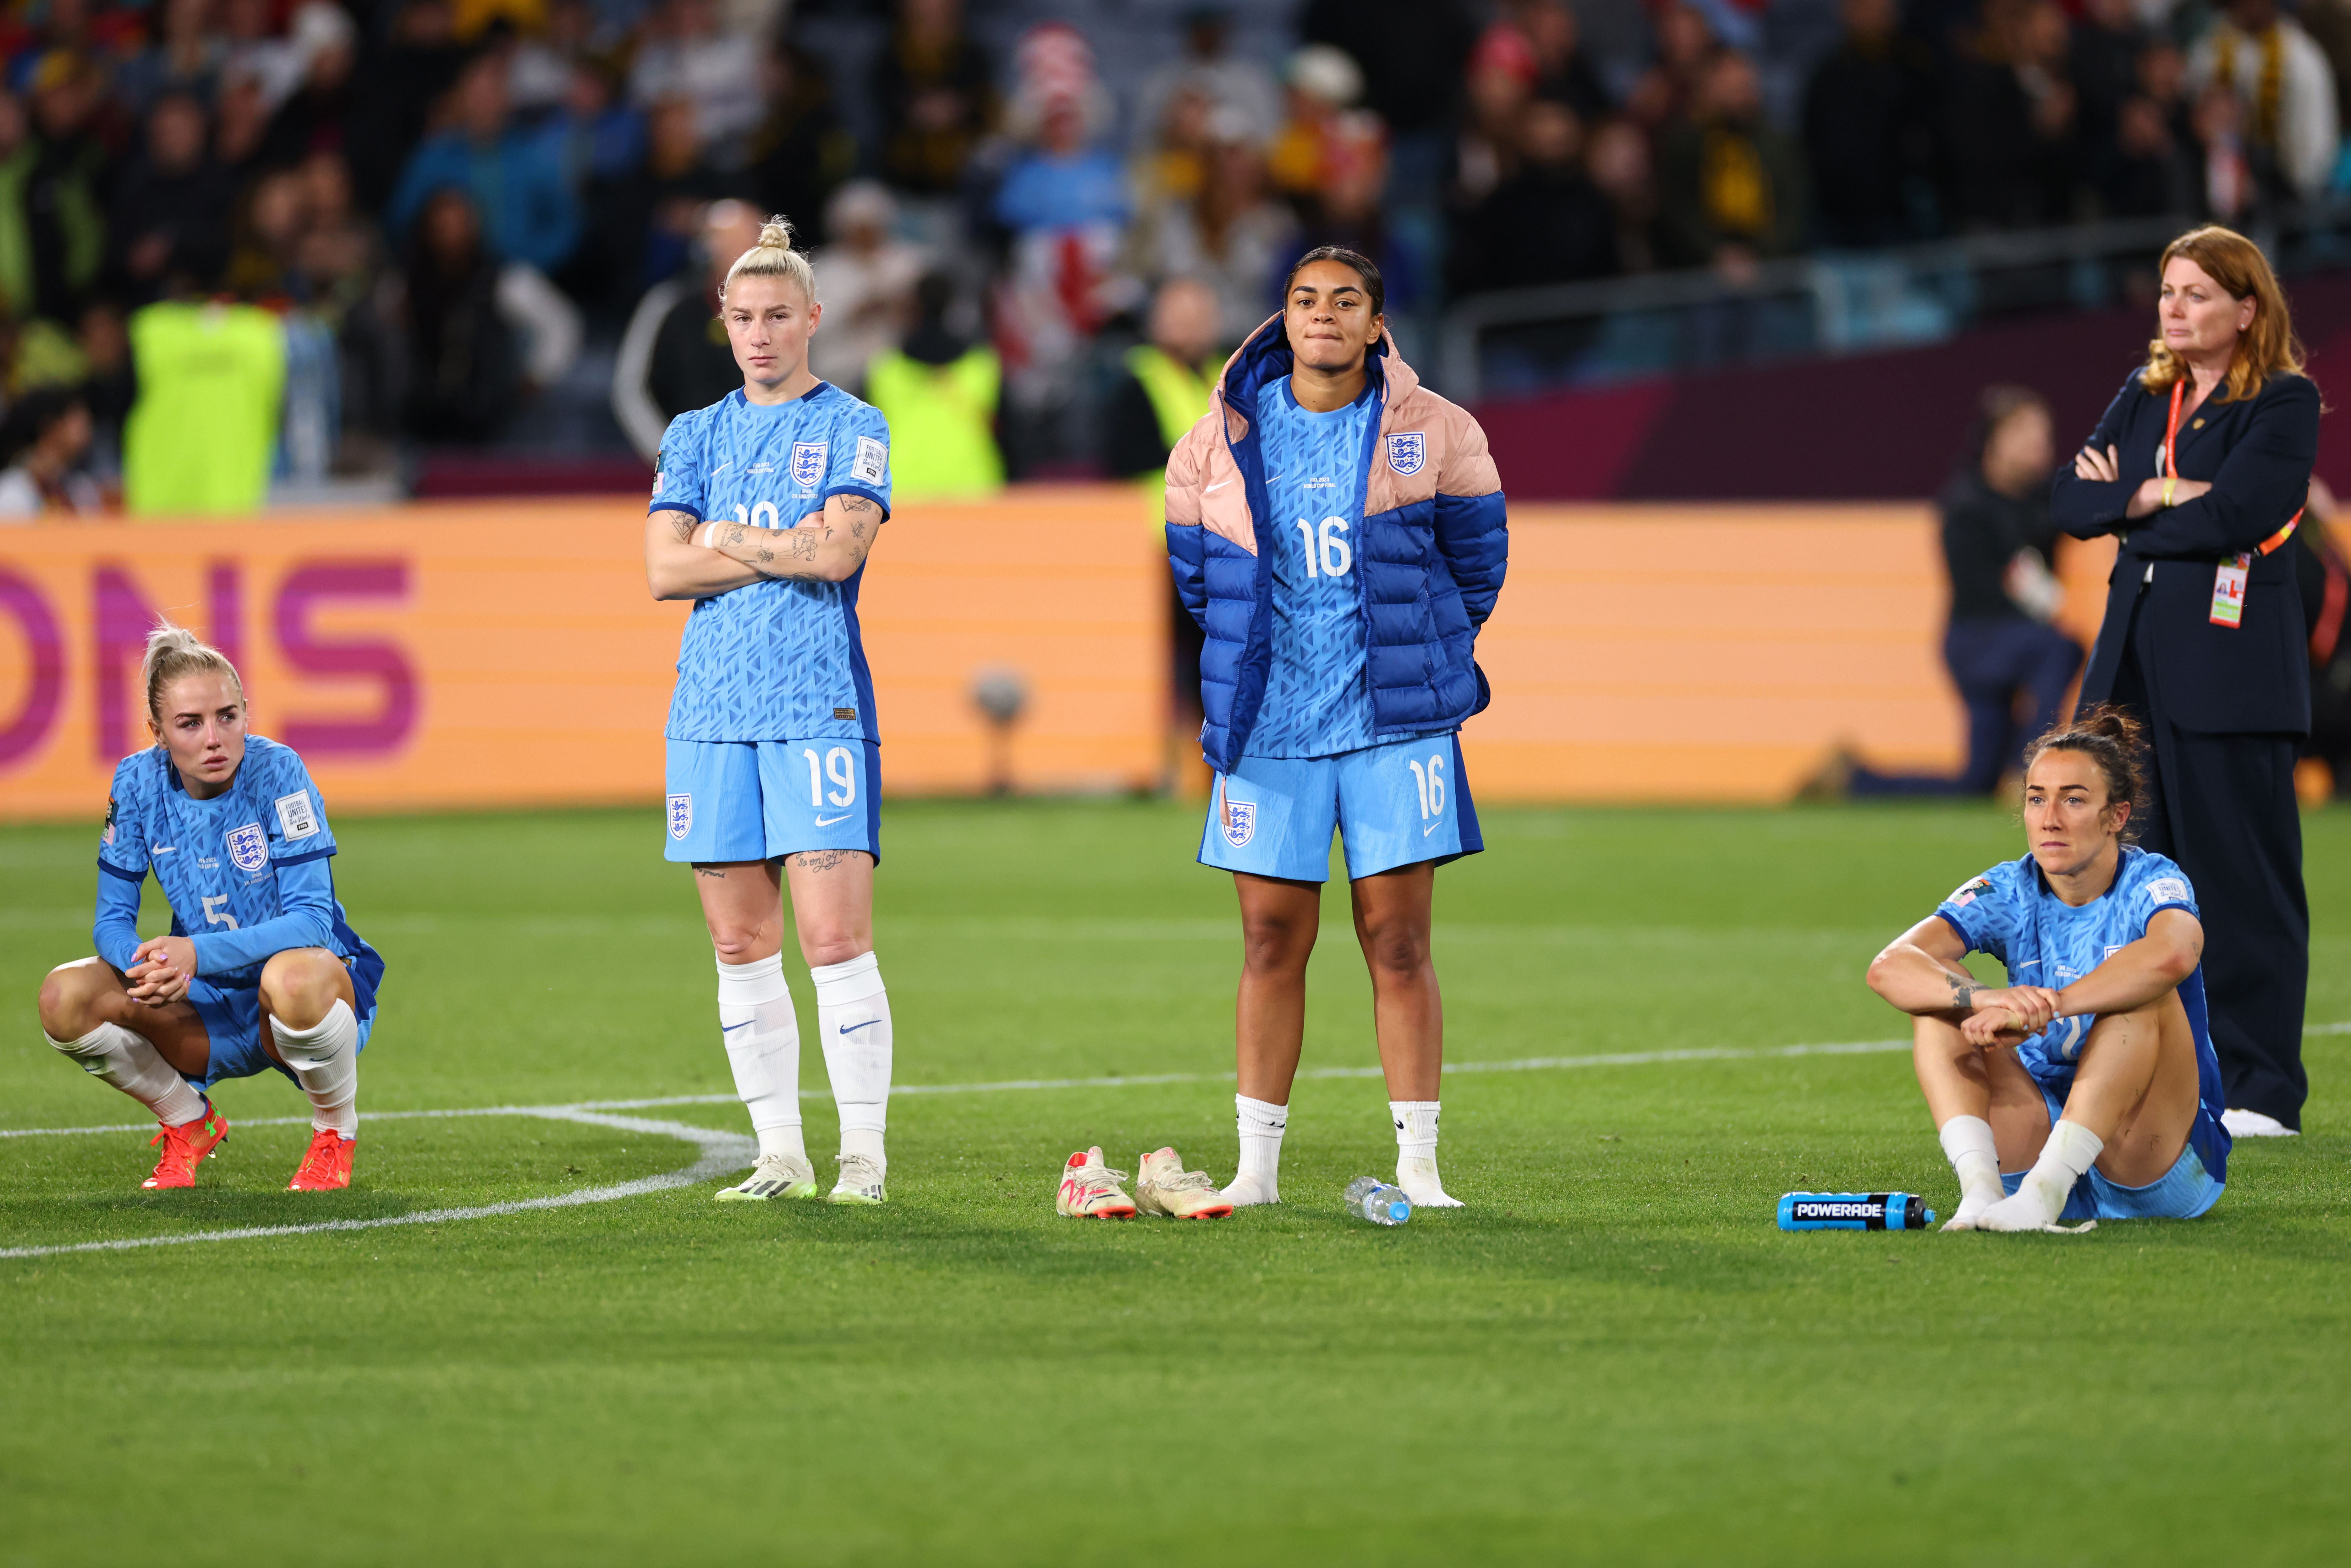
73,998
1396,949
1276,944
827,944
299,986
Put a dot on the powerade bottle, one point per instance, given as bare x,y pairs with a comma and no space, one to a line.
1382,1203
1854,1211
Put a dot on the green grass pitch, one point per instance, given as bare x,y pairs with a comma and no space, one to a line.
1610,1356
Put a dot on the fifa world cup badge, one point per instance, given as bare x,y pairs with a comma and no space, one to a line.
1407,452
681,816
1240,822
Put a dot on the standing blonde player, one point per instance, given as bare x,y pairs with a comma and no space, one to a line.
765,506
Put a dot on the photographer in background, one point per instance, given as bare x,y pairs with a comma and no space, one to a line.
2011,665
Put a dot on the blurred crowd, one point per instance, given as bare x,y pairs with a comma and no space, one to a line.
257,242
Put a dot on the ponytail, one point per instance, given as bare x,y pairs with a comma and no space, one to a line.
773,256
173,652
2112,739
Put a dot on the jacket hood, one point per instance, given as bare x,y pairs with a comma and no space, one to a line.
1266,355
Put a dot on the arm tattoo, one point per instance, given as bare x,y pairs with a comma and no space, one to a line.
680,525
1964,989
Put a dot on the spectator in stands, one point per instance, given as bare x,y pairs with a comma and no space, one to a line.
2328,22
107,387
802,153
404,79
2290,128
212,381
1682,43
2012,119
934,92
2102,64
184,58
1207,69
674,355
1501,79
172,206
43,440
513,178
2151,167
1547,223
1165,383
1231,238
240,122
1618,162
1412,53
939,390
866,277
464,364
1869,131
1323,84
1172,161
1730,185
2012,667
271,217
325,41
642,221
1563,72
56,197
687,59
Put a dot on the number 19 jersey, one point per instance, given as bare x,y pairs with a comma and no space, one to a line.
773,660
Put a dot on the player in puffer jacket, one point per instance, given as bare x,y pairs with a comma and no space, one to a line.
1338,531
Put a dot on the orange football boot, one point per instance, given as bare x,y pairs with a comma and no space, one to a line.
326,1164
183,1146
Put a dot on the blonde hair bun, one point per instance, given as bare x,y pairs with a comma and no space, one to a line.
773,256
776,233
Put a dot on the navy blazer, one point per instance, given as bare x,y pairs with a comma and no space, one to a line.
2257,454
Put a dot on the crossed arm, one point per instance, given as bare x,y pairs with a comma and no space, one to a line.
1920,973
686,558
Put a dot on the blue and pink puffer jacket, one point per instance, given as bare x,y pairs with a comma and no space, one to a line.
1429,561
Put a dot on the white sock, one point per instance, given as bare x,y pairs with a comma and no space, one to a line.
763,1047
2040,1197
1415,1131
1975,1160
1262,1124
325,1060
129,1060
852,1020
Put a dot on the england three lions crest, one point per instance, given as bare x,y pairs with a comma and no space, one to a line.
681,816
1408,453
248,847
808,463
1240,822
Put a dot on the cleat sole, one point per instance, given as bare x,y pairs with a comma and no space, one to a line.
798,1190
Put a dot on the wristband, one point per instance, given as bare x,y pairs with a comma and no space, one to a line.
2170,480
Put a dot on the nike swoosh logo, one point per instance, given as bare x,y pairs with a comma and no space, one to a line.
731,1028
1432,828
720,469
1216,487
828,821
164,848
868,1023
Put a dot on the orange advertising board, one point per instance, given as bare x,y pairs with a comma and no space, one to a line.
449,655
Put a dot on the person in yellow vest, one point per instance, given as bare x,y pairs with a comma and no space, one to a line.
939,391
1166,389
201,437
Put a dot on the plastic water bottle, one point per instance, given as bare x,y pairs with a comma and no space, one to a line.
1854,1211
1382,1203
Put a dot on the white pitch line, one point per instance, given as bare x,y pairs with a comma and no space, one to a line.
722,1155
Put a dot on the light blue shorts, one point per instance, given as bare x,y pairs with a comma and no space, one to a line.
2186,1191
233,1026
1391,805
762,799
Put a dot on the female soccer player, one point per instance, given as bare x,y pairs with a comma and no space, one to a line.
773,751
2086,1088
273,977
1338,532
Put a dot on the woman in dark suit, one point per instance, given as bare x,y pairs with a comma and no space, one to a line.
2201,467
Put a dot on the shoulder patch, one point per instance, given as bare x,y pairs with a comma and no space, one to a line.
296,815
1408,452
873,460
2168,890
1968,891
106,834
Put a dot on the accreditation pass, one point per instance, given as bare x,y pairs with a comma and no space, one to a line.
2229,590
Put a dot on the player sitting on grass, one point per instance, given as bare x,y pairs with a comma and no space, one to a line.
1337,530
273,977
2087,1088
773,754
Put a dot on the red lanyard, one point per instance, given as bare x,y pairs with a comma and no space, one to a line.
2171,467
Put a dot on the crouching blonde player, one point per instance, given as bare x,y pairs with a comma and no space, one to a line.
260,970
773,756
2086,1088
1338,531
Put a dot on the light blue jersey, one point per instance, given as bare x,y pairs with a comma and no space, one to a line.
2010,913
773,661
1318,700
246,875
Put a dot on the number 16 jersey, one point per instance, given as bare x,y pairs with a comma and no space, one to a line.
772,661
1318,698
